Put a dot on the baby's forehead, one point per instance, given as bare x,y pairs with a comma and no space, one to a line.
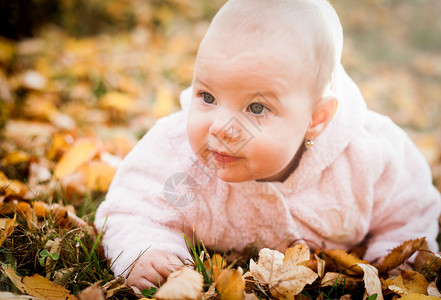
287,25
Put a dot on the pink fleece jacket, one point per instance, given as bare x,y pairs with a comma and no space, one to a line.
363,179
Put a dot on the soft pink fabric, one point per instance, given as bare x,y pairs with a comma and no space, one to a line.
363,178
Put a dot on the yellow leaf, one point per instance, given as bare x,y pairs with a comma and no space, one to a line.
12,187
229,283
41,287
419,297
285,276
372,282
400,254
164,102
185,284
409,282
99,175
215,260
81,152
117,101
6,228
343,261
38,286
60,144
15,157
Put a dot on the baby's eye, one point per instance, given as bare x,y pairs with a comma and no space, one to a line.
257,108
208,98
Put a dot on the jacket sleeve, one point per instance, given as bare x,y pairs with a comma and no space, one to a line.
135,216
406,205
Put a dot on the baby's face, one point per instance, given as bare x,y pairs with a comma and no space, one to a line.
247,119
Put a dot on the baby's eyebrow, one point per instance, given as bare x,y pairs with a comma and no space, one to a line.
197,80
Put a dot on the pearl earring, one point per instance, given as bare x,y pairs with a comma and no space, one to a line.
308,143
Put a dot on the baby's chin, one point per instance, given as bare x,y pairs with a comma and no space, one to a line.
234,177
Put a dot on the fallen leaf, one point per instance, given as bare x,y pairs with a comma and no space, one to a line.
399,255
113,286
419,297
285,275
117,101
14,188
216,260
38,286
81,152
409,282
94,292
6,228
343,261
331,278
183,284
11,296
321,264
98,176
164,102
372,283
229,283
15,157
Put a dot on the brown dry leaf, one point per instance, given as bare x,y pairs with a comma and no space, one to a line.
229,283
81,152
10,187
6,228
184,284
284,274
94,292
113,286
331,278
98,176
372,283
409,282
419,297
400,254
38,286
321,264
343,261
427,260
16,280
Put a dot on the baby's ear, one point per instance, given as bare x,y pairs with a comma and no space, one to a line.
322,115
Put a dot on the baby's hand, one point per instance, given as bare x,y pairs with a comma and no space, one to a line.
152,269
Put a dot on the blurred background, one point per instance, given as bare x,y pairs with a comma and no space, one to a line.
107,69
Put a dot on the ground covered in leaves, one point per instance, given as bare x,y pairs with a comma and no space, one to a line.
77,93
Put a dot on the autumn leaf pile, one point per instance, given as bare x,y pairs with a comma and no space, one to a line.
72,106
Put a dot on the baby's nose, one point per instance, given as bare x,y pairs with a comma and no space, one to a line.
227,128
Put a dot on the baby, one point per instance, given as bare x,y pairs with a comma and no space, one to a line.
273,145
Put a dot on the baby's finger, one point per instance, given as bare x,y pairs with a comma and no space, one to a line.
136,290
163,267
175,262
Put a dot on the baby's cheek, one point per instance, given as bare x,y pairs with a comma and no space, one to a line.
270,154
196,130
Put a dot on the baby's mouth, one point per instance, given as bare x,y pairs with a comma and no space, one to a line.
223,157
